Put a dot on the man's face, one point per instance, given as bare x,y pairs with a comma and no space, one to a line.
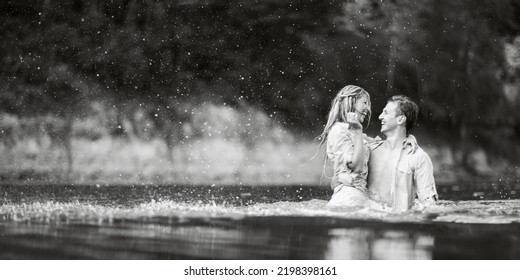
390,119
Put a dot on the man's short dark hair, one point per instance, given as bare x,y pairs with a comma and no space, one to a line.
408,108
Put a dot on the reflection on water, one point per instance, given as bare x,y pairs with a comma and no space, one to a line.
363,244
281,230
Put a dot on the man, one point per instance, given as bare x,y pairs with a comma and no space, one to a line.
396,175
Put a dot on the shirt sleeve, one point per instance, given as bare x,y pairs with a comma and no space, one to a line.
373,143
423,177
340,145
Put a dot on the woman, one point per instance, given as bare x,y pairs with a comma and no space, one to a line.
347,146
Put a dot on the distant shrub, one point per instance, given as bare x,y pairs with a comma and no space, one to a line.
249,125
210,120
9,129
91,128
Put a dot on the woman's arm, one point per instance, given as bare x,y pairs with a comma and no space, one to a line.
356,164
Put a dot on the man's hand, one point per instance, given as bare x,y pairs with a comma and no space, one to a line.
422,205
410,140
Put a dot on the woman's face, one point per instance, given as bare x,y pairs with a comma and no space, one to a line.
362,107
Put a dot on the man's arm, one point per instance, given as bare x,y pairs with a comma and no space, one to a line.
423,177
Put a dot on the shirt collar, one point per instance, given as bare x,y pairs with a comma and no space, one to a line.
377,141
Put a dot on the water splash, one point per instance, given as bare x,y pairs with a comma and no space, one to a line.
482,212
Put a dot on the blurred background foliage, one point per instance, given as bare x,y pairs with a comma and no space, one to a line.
253,72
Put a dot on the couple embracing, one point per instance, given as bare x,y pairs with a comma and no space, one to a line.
393,173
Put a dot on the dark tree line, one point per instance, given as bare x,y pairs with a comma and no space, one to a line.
288,58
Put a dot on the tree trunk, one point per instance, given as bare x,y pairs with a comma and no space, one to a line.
69,122
390,71
466,130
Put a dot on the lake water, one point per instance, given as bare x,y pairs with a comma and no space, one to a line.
241,222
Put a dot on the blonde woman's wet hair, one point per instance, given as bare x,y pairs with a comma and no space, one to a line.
342,104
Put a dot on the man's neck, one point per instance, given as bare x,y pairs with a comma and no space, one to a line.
395,138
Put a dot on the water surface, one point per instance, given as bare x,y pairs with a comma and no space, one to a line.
171,222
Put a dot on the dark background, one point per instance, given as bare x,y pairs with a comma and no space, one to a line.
63,61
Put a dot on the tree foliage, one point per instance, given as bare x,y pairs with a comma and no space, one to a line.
287,57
